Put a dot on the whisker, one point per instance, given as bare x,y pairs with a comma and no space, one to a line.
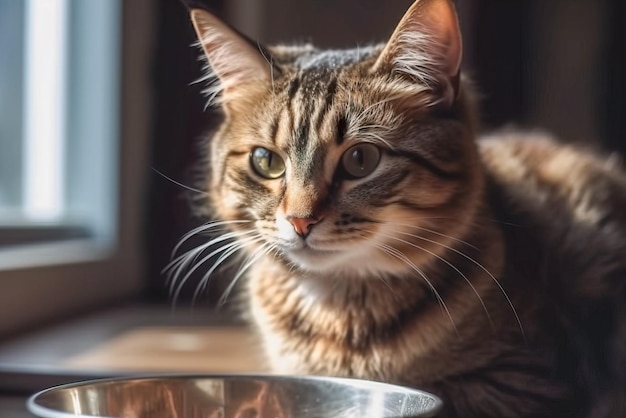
471,285
253,258
202,228
462,254
202,285
432,231
177,287
386,283
364,130
359,117
270,62
184,186
378,138
378,275
372,126
183,260
180,263
231,248
402,257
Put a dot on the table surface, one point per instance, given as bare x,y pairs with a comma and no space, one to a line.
119,342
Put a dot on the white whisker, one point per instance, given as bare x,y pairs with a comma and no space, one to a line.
432,231
180,263
202,228
377,138
183,260
519,322
253,258
402,257
202,285
270,62
189,262
176,285
234,246
361,115
184,186
471,285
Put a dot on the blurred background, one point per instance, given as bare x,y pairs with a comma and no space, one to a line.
100,118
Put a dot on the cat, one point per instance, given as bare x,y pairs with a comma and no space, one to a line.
387,239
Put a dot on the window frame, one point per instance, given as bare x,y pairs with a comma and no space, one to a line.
72,276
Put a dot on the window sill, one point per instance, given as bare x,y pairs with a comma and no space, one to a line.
56,253
21,234
110,343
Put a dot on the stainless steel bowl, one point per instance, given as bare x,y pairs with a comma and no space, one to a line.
184,396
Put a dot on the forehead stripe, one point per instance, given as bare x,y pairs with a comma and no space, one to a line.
293,87
342,126
328,101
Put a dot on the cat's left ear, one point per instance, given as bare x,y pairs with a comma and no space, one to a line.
426,46
233,59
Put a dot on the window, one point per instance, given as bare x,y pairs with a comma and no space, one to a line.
60,113
70,176
11,99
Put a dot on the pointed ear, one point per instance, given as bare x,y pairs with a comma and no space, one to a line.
426,46
232,58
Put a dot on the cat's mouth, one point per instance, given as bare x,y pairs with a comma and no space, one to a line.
310,256
305,249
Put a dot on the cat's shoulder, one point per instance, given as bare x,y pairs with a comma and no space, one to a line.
572,197
538,169
516,154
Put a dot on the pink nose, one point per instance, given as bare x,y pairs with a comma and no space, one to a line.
303,226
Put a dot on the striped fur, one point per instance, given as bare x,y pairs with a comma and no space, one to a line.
488,271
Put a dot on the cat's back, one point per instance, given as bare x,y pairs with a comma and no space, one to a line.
540,176
563,204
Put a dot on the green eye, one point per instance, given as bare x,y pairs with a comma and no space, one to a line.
266,163
360,160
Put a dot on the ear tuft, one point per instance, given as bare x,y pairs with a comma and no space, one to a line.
426,47
233,61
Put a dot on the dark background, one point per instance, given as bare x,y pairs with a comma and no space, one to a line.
557,65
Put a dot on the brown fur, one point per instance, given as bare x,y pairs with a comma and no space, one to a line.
490,272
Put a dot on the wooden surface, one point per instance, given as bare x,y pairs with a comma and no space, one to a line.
175,349
126,340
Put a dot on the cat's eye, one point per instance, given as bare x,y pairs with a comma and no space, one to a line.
360,160
266,163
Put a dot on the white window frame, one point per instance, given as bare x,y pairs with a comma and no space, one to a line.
43,282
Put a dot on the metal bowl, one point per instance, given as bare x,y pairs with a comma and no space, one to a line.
184,396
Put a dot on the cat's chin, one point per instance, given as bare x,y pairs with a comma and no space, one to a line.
325,261
312,260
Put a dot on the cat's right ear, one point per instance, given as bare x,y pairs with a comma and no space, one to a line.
233,59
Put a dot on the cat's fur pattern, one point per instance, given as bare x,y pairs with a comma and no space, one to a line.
523,239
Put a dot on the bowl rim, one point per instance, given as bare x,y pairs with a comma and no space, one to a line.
42,411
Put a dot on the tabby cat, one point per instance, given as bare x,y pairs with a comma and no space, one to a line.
385,240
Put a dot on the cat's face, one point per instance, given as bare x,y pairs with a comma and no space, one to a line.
337,160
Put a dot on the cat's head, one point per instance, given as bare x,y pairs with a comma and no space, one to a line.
340,159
